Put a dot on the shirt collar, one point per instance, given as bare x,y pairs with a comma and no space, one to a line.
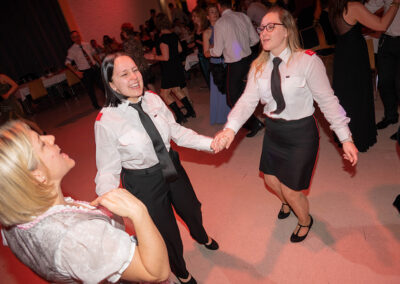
125,103
226,11
284,55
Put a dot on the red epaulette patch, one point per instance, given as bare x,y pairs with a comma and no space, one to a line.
151,92
309,52
99,116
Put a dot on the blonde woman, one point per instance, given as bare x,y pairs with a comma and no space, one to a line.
288,80
66,240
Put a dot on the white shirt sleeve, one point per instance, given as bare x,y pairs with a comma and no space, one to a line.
323,94
108,160
374,5
183,136
246,105
93,251
70,57
218,48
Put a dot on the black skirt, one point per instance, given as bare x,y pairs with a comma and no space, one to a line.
290,150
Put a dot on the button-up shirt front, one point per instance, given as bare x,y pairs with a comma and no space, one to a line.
303,80
75,53
122,141
234,34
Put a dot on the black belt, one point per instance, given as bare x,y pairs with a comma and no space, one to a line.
141,172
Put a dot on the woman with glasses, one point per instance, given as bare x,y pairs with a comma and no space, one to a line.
287,80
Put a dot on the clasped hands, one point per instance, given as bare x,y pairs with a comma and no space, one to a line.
222,140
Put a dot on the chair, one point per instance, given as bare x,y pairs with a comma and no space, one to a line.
72,80
36,88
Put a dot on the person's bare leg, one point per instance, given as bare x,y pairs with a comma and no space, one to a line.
165,94
275,185
300,206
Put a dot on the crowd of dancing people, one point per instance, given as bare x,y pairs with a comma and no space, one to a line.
244,62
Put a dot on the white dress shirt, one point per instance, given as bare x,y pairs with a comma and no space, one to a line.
375,5
234,34
122,141
303,80
75,53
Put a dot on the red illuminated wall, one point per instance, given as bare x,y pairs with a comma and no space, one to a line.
95,18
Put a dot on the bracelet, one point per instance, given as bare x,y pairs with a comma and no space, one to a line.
395,4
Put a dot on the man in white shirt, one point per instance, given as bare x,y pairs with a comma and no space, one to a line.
82,54
256,11
234,35
388,64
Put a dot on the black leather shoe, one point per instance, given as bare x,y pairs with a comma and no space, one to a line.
282,214
191,281
385,123
295,238
255,130
394,136
213,246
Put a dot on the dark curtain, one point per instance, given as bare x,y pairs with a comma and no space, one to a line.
34,38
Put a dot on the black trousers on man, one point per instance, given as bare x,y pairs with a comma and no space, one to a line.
389,74
236,83
150,187
91,77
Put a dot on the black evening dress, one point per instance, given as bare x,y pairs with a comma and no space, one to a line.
352,83
172,72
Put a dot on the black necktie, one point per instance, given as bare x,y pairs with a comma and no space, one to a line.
168,168
276,86
86,56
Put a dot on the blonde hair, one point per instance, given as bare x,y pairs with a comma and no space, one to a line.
22,196
293,38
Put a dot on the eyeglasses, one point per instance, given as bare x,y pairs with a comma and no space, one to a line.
269,27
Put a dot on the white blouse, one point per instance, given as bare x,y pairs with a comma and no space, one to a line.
303,81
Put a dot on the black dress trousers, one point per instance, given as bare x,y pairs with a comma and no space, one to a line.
150,187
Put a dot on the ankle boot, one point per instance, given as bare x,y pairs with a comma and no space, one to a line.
189,107
180,118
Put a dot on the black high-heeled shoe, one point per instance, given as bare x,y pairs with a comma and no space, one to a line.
282,214
191,281
213,245
295,238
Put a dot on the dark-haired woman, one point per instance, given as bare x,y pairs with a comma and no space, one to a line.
128,130
351,68
173,80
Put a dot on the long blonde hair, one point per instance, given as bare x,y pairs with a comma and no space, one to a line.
22,197
293,38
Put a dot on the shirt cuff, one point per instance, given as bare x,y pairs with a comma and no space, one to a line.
233,125
116,276
343,134
104,188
